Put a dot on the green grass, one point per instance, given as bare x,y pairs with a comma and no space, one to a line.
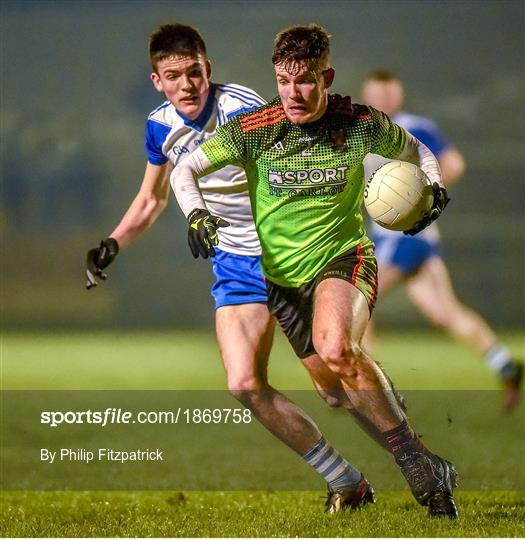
244,514
191,361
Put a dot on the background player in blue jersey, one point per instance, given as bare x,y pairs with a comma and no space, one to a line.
416,260
195,107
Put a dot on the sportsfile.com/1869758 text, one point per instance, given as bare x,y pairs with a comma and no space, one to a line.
180,415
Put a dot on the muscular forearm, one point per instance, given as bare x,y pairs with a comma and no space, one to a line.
416,150
184,181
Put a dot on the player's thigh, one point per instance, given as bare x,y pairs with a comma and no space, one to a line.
292,308
245,335
430,289
243,322
340,316
343,304
388,271
388,276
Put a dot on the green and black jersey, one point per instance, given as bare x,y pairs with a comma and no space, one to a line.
306,182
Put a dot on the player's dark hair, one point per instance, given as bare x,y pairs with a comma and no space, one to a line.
382,75
296,45
175,39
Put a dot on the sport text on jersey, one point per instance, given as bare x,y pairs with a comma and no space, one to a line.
312,183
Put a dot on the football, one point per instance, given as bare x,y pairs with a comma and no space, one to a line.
397,195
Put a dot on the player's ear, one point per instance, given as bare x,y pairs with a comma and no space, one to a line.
155,79
208,69
329,75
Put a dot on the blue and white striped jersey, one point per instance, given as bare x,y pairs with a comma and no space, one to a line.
172,136
430,135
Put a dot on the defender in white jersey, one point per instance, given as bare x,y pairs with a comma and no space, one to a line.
171,136
195,107
417,260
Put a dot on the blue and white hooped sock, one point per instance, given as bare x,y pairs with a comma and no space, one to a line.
332,466
499,361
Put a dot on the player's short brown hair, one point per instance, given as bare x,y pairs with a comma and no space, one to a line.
175,39
298,45
381,75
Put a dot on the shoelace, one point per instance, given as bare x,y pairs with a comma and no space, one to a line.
415,471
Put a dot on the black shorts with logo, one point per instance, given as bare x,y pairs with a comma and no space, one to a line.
293,306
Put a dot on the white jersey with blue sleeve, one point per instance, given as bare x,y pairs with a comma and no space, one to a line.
431,136
172,136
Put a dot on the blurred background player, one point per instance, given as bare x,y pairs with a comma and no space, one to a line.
416,260
194,108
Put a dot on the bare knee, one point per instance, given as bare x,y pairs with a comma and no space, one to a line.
342,358
245,388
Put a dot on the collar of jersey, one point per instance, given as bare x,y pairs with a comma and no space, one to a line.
199,123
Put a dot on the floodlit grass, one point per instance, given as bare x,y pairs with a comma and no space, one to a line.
191,361
243,514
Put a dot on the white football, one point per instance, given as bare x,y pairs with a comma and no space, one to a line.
398,195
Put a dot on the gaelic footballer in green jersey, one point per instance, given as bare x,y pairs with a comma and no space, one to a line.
303,155
306,181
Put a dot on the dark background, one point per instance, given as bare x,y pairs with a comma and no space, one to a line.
76,91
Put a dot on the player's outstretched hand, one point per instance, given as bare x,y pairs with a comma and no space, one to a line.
98,259
202,232
440,201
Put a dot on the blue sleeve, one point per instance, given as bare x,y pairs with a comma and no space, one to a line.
430,135
155,136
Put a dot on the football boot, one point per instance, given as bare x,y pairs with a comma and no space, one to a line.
512,387
432,480
348,499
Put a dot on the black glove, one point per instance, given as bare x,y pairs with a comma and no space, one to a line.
98,259
440,201
202,234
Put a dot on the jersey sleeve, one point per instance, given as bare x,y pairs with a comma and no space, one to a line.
388,139
227,146
154,138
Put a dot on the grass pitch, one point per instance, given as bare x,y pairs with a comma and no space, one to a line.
191,361
244,514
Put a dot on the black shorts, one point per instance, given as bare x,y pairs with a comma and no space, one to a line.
293,306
